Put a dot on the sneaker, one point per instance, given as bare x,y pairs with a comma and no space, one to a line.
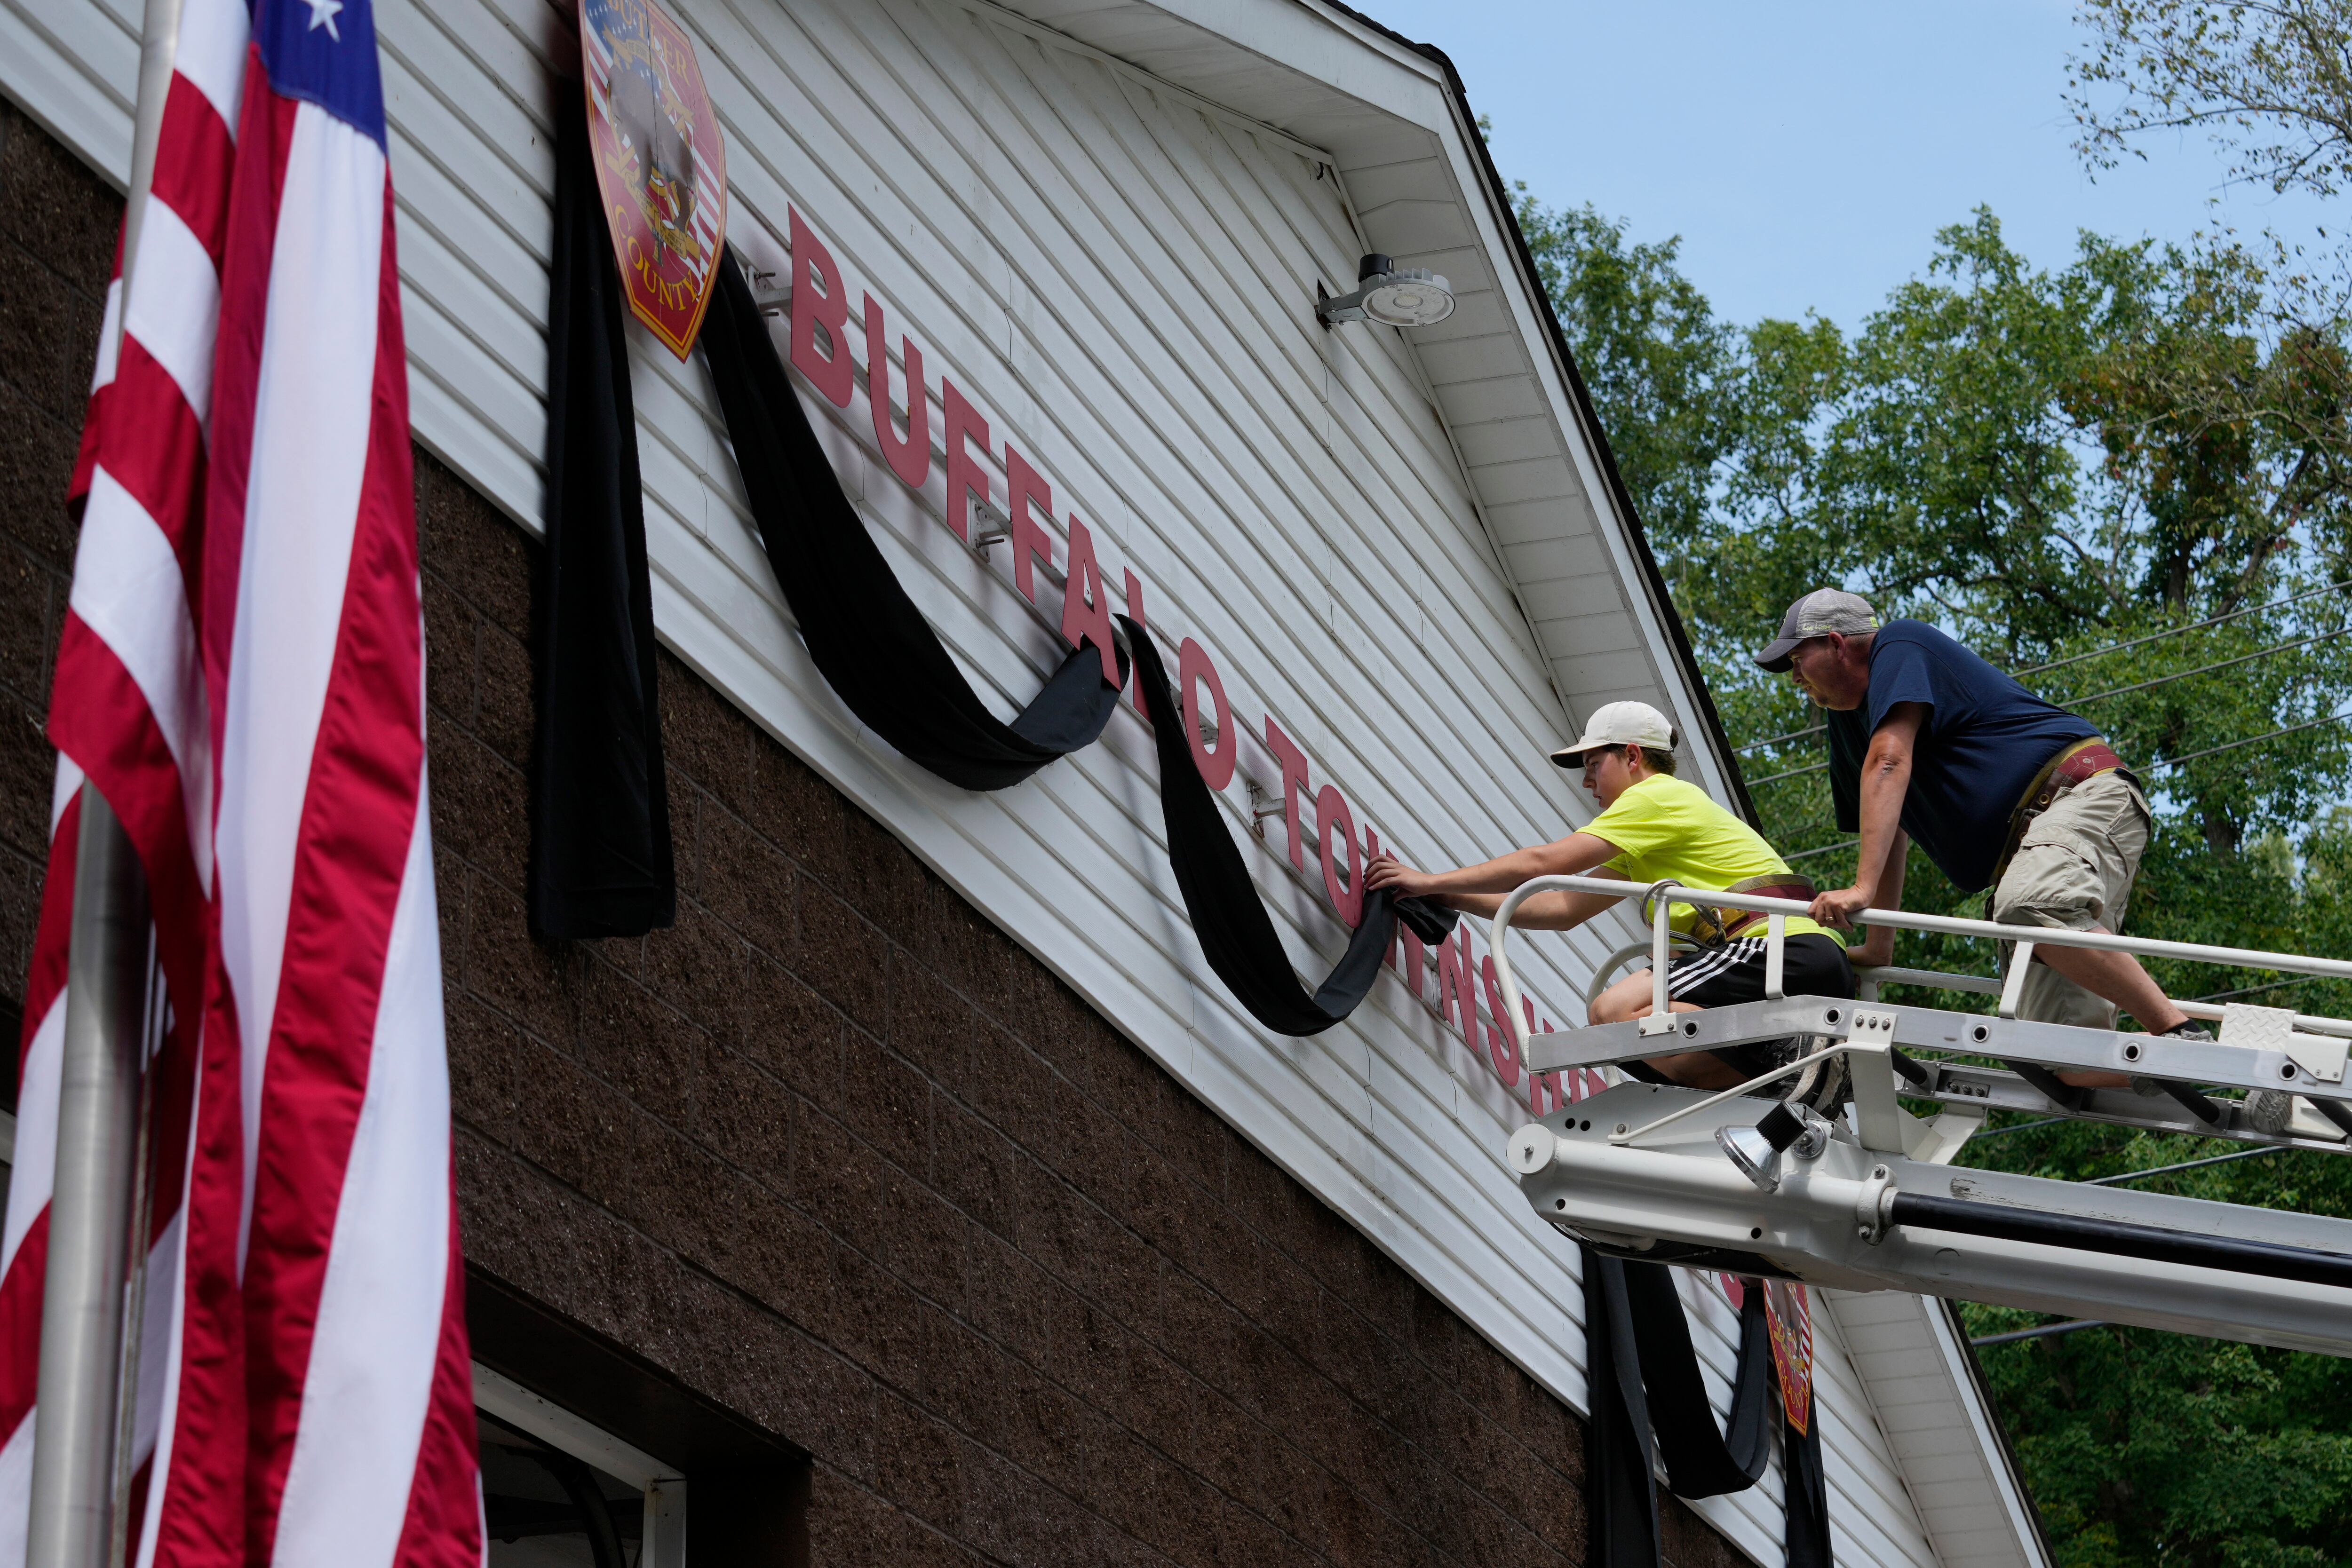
2189,1028
1822,1084
2269,1110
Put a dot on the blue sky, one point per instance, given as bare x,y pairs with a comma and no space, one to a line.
1808,153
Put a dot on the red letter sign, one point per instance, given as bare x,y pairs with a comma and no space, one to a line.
965,478
1502,1045
1028,540
1216,763
911,459
818,301
1086,606
1294,780
1330,811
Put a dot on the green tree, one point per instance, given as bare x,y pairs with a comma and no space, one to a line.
2073,470
2270,80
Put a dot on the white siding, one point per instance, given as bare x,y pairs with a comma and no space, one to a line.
1120,276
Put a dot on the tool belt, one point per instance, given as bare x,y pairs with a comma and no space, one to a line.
2075,764
1711,925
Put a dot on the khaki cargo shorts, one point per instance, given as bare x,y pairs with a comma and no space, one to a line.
2074,870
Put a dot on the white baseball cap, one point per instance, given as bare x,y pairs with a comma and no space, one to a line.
1619,724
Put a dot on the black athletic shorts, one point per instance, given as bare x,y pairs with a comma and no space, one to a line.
1733,971
1717,977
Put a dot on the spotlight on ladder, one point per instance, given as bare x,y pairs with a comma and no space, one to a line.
1756,1150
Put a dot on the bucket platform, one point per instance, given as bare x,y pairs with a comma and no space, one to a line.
1867,1199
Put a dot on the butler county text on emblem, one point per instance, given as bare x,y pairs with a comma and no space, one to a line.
660,162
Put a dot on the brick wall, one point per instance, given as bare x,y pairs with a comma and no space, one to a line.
836,1153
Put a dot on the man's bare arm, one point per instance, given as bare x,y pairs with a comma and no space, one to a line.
1880,947
1576,853
1885,780
1543,911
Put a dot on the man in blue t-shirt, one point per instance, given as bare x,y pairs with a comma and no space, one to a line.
1928,742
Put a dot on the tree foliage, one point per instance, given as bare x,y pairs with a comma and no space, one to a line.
2270,79
2074,470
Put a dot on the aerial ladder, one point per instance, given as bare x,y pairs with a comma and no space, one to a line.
1868,1199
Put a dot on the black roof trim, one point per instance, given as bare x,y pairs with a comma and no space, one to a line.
1684,656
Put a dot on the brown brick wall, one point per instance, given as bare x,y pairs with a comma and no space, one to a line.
836,1153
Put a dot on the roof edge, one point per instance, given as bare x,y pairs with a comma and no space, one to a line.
1685,656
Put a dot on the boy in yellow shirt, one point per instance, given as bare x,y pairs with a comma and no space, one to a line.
1652,826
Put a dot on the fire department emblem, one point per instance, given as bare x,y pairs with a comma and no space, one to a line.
1790,1312
661,165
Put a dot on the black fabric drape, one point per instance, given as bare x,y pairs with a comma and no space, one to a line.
1237,934
865,636
1621,1504
600,843
1648,1399
1701,1460
1805,1519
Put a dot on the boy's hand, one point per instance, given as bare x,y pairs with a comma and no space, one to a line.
1400,880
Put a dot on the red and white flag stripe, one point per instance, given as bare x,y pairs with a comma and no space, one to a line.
304,1394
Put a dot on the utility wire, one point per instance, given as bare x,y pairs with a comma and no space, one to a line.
2139,686
2251,991
1777,740
2232,746
2097,652
2020,1127
2192,626
2201,670
2043,1333
2185,1166
2169,762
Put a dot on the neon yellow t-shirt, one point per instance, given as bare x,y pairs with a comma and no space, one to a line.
1663,827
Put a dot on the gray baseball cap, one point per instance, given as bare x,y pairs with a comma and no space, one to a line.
1818,613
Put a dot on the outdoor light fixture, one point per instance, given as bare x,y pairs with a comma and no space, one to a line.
1400,296
1756,1150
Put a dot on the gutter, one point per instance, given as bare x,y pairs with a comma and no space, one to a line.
1685,659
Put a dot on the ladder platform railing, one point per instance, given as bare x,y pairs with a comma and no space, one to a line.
2259,1048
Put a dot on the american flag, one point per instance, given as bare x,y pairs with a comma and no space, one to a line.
241,676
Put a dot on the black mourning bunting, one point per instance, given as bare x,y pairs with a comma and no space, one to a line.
600,843
1700,1460
1648,1400
873,646
864,634
1621,1505
1237,935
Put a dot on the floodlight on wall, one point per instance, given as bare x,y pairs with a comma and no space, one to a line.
1385,292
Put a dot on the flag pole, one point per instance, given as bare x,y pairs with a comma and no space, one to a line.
79,1400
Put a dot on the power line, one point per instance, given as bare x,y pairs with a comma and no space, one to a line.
2192,626
2169,762
2020,1127
1792,773
2097,654
2201,670
2043,1333
2118,691
2185,1166
1777,740
2250,991
2232,746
